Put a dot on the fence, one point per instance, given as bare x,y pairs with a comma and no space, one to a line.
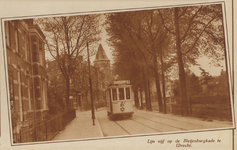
46,130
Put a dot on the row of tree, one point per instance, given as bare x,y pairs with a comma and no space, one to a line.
204,85
151,44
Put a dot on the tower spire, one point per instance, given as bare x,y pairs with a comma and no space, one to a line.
101,55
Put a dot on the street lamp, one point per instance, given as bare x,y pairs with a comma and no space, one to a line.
92,103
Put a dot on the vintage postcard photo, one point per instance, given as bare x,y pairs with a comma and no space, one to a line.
109,74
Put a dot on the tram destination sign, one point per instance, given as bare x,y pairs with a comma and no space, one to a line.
122,82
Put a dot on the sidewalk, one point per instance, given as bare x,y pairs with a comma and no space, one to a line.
81,127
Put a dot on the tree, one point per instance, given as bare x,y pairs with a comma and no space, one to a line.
198,31
207,81
55,96
223,84
143,33
193,85
130,63
67,37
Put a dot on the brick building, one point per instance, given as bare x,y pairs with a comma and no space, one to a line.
57,84
79,82
102,73
26,74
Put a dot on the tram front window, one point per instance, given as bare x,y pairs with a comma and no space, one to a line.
121,93
127,93
114,92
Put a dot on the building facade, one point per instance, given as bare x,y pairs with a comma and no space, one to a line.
79,82
26,73
102,75
57,85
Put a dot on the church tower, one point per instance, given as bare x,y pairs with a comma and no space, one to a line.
102,63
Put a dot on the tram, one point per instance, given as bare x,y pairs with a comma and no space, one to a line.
119,100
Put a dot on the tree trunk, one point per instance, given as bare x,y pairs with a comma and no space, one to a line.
183,92
149,92
163,81
141,98
157,80
67,94
145,83
136,97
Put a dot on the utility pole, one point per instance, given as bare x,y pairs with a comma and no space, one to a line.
92,103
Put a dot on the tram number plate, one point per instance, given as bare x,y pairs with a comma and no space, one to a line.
122,104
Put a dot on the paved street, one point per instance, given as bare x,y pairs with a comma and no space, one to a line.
142,122
79,128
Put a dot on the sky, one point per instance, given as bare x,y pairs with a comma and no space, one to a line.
204,63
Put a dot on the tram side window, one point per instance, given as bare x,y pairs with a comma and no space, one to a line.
127,93
114,92
121,93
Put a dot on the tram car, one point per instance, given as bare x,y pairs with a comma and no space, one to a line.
119,100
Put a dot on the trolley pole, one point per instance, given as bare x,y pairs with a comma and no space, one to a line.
92,102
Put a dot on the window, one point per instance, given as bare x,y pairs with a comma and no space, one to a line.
25,44
127,93
7,33
42,93
44,97
11,34
19,94
28,90
121,93
16,40
114,94
11,88
40,52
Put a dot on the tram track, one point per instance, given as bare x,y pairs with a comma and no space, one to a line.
136,122
146,125
160,123
128,131
188,123
122,127
104,130
168,118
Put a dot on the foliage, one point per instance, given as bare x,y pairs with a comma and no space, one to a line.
222,86
193,84
207,81
137,38
66,40
198,31
156,40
